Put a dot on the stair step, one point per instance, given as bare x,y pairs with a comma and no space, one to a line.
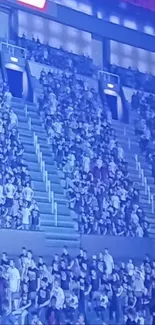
51,168
71,244
34,166
57,188
62,236
54,179
50,217
40,185
26,140
30,157
39,129
41,199
36,175
29,149
31,108
57,230
61,224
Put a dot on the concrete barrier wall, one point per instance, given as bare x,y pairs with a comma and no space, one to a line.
121,248
12,241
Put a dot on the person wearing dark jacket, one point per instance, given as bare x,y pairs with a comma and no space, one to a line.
53,314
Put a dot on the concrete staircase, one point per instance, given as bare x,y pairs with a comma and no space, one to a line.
65,233
124,138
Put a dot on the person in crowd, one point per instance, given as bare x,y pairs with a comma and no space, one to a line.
96,294
101,195
16,194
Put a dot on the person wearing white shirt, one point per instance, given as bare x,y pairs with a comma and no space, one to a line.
28,193
123,194
52,109
1,194
58,293
108,259
86,164
139,231
8,97
130,267
140,319
1,126
14,283
112,167
104,300
112,144
138,285
10,192
134,218
58,127
115,201
26,216
99,162
98,129
71,159
74,302
109,116
13,118
120,153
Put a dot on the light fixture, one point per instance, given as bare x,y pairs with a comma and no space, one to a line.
13,59
111,86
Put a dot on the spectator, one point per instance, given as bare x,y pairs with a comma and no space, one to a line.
85,147
123,295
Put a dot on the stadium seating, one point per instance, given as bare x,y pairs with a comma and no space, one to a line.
76,290
75,156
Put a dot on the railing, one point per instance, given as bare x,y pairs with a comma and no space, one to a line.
43,170
52,200
25,110
30,123
15,51
152,203
109,77
56,213
149,194
145,183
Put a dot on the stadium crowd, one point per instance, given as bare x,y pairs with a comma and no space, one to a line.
102,196
18,209
144,105
133,78
79,290
46,54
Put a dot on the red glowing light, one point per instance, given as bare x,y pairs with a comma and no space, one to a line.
38,4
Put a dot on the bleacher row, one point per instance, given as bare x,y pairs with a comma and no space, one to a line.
92,175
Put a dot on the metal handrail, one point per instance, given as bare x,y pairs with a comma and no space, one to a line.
149,194
43,166
52,200
13,47
46,180
145,185
43,170
56,213
49,191
136,159
30,123
152,203
25,110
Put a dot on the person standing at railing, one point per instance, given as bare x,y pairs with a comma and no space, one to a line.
8,96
